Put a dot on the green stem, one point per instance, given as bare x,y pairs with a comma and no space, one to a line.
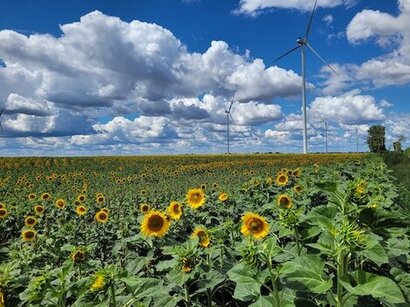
297,239
222,256
273,280
112,288
340,273
187,295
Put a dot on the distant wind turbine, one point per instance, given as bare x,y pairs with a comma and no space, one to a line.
228,118
302,43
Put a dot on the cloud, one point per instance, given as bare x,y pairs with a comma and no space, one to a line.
255,7
349,109
188,111
280,137
328,19
102,66
102,59
122,130
63,124
370,23
254,114
18,104
389,31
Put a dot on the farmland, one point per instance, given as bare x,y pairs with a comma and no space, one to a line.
232,230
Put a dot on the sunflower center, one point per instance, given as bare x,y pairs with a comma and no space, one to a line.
29,234
176,209
196,197
155,223
282,179
201,235
30,221
255,225
284,201
102,216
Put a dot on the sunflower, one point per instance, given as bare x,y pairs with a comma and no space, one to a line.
60,203
175,210
144,208
30,221
100,199
81,197
214,185
202,234
298,188
28,235
223,197
195,198
2,206
99,282
297,172
78,255
101,216
282,179
203,186
38,209
81,210
187,265
155,224
45,196
31,196
254,224
284,201
144,192
269,181
3,213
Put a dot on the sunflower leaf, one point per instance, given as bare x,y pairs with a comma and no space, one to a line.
305,273
374,285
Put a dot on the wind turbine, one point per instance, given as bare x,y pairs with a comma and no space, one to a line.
302,44
228,118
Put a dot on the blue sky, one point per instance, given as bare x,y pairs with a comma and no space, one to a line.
146,77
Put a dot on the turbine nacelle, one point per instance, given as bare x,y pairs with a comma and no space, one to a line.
301,41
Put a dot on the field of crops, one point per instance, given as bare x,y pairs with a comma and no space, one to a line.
237,230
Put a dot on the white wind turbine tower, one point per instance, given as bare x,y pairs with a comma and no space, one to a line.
302,44
228,118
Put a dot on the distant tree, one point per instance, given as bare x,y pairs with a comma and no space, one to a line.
397,144
376,138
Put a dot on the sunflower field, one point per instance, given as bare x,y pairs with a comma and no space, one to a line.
212,230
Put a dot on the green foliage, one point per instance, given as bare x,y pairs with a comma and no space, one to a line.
377,138
343,240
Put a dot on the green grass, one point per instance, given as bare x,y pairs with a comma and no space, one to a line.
399,163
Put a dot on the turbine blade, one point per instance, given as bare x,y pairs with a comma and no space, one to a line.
310,21
1,128
231,118
326,63
230,107
277,59
2,109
